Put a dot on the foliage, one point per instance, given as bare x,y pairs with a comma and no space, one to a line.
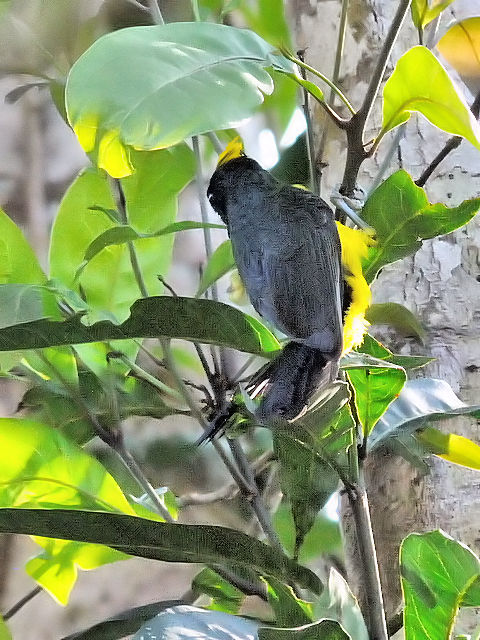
81,336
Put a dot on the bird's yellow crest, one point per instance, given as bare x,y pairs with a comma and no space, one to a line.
234,149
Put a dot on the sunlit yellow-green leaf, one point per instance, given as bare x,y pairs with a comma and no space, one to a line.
420,83
451,447
460,46
423,11
4,632
40,468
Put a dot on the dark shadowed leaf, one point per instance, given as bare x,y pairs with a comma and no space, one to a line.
159,540
399,212
185,318
290,611
152,87
396,316
438,576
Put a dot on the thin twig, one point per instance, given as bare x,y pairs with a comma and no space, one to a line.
451,144
375,612
314,181
144,375
137,473
228,492
257,502
139,5
22,602
155,12
195,10
217,145
356,152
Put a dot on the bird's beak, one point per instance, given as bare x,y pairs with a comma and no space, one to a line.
234,149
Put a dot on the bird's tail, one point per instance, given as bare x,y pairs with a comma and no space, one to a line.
290,380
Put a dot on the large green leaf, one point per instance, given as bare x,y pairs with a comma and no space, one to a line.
18,263
39,468
420,83
423,13
325,629
26,302
159,540
151,87
375,389
399,212
124,623
170,317
420,402
290,611
438,575
306,479
108,282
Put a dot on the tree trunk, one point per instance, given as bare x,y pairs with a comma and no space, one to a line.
439,283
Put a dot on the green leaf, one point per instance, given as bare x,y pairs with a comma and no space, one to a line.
422,13
4,632
125,623
399,212
420,402
124,234
21,303
185,318
325,629
107,282
221,262
290,611
375,390
376,349
129,89
40,468
159,540
338,603
224,595
397,316
323,538
191,621
437,573
306,479
449,446
18,263
420,83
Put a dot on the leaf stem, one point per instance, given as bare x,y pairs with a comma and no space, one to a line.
319,74
314,178
195,10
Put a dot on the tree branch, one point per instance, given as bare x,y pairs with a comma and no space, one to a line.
451,144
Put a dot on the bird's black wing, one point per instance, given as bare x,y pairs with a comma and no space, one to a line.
292,271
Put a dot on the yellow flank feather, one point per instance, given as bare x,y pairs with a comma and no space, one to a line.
355,243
